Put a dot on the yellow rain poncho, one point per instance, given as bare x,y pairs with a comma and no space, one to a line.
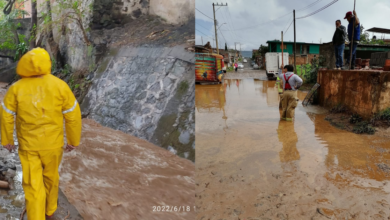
40,102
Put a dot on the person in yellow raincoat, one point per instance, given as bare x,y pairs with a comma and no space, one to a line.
40,102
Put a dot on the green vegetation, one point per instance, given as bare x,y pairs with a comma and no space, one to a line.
10,39
365,38
68,11
355,118
363,127
182,88
339,108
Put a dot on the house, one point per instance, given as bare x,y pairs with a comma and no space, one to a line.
363,51
305,52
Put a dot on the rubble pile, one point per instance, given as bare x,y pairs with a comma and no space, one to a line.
7,169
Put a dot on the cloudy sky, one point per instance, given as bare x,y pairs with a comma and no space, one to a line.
253,22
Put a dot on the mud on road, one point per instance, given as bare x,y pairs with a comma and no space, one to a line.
251,165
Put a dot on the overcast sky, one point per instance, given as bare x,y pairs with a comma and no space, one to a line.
262,20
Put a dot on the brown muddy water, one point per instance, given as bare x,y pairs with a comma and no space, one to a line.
252,165
113,175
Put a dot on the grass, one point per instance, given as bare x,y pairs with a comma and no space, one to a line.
302,71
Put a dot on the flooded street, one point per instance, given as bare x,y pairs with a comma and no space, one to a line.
252,165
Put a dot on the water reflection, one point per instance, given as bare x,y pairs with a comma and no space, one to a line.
289,139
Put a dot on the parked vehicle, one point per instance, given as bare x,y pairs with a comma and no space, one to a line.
273,61
245,61
255,66
209,68
240,66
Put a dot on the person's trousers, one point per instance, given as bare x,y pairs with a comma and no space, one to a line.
289,103
339,49
353,54
40,181
236,69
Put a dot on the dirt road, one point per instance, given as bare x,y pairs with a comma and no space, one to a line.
251,165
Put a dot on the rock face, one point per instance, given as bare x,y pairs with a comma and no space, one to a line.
149,93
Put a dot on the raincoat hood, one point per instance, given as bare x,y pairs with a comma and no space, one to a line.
34,63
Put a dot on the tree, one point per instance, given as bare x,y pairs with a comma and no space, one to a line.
66,11
10,39
34,23
263,50
365,38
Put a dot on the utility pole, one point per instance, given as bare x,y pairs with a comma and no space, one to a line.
215,24
295,46
282,50
201,39
235,48
352,38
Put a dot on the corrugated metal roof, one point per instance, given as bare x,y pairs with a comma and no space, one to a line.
289,42
379,30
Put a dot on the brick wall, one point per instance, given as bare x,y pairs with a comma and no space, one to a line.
301,59
363,92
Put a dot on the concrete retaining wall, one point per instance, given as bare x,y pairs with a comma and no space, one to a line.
149,93
362,92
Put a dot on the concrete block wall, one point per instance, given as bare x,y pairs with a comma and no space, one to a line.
362,92
379,59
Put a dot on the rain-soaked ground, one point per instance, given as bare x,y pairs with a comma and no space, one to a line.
113,175
252,165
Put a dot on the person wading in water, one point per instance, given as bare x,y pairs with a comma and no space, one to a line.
291,82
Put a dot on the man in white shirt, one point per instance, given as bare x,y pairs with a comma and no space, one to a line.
291,82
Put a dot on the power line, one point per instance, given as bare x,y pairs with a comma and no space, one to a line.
270,21
289,26
232,25
222,35
203,13
202,26
204,34
309,6
321,9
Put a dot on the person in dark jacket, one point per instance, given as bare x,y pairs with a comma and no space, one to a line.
353,19
339,37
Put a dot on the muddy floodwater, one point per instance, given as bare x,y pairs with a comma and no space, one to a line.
252,165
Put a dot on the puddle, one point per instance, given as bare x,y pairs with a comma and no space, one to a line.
246,156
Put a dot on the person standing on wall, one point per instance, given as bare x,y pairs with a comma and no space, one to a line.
291,82
339,37
235,66
40,102
353,19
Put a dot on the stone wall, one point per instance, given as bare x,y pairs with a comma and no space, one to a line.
362,92
175,12
149,93
108,14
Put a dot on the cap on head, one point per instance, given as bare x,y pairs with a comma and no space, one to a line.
34,63
348,14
